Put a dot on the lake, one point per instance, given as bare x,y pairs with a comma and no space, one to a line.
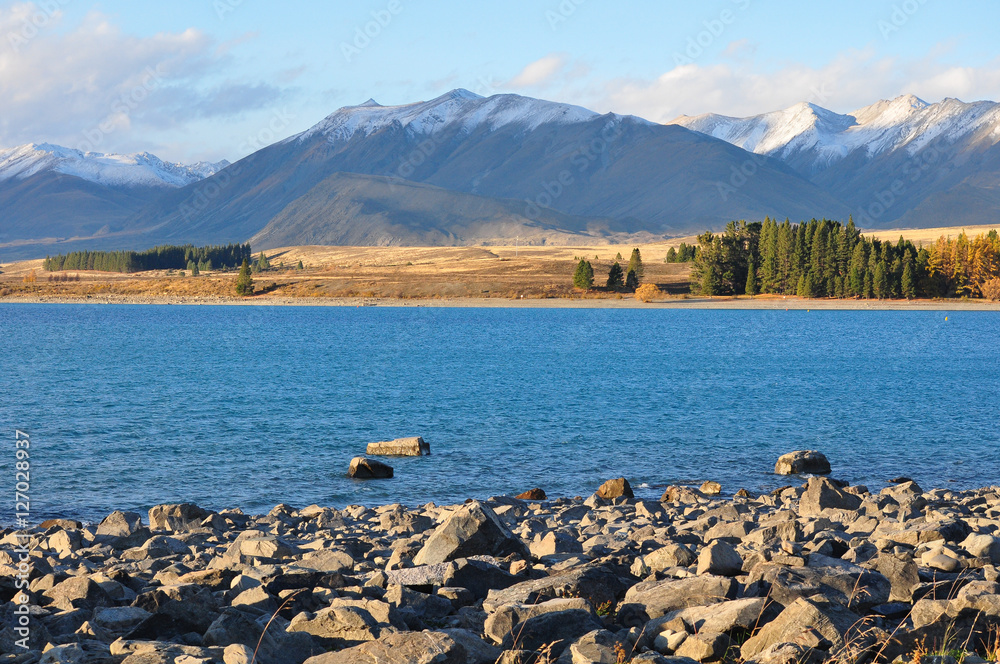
130,406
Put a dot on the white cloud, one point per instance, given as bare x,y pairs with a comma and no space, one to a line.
91,86
851,81
539,73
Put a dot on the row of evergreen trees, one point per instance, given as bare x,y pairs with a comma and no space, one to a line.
167,257
823,258
618,279
682,254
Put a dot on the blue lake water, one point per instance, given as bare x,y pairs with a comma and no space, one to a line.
130,406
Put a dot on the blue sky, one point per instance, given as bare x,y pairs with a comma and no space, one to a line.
209,79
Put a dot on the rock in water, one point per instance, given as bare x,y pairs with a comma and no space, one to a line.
711,488
616,488
796,463
473,530
414,446
369,469
533,494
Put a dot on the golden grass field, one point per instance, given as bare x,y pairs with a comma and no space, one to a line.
387,273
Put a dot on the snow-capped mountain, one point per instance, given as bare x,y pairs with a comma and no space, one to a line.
811,138
109,170
897,163
460,109
597,173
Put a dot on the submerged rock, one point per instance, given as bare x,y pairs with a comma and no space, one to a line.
369,469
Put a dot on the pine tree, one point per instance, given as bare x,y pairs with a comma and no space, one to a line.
751,287
584,275
244,282
908,284
671,255
616,279
300,266
193,268
709,282
880,281
263,262
635,265
619,257
631,281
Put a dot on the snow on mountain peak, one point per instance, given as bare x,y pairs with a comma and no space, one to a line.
115,170
459,107
822,137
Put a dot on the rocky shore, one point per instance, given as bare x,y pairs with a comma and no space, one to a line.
816,572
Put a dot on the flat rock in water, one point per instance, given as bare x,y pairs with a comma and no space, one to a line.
806,461
369,469
414,446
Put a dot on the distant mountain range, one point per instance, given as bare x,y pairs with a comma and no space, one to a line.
464,169
903,163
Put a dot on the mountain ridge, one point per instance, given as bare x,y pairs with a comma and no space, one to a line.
571,171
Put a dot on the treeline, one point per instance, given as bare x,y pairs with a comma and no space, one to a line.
823,258
682,254
167,257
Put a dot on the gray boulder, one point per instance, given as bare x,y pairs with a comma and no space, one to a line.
401,648
503,622
797,463
843,583
553,631
659,597
822,494
596,583
616,488
473,530
176,518
721,559
369,469
812,622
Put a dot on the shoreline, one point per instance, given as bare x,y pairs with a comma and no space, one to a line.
778,578
696,303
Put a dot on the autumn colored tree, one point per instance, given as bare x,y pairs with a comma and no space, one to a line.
647,293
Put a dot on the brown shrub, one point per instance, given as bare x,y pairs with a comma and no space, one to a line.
648,292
